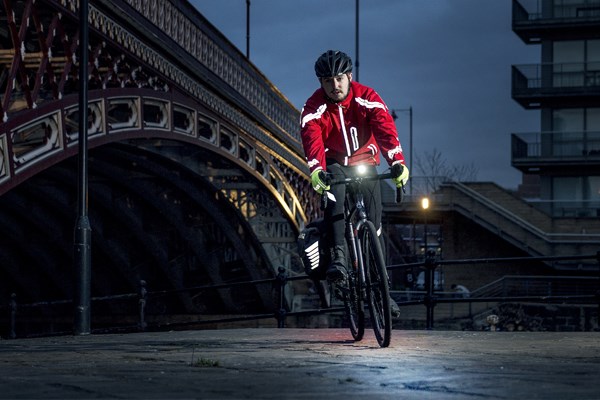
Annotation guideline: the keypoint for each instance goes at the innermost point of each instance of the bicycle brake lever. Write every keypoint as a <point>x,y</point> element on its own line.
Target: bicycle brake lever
<point>323,200</point>
<point>325,196</point>
<point>400,191</point>
<point>396,170</point>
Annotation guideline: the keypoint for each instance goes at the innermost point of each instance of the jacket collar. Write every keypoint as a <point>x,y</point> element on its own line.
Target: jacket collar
<point>344,103</point>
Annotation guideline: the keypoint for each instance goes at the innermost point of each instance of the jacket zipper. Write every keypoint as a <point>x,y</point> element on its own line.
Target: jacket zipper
<point>345,134</point>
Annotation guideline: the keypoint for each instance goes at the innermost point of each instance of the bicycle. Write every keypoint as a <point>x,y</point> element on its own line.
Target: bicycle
<point>367,276</point>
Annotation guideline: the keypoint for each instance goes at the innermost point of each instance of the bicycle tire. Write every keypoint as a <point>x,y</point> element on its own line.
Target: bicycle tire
<point>376,279</point>
<point>355,307</point>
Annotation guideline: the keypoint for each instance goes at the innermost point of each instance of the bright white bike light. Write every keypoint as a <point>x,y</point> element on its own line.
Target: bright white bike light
<point>361,169</point>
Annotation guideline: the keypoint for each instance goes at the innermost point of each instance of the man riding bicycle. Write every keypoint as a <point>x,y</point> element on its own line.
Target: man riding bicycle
<point>345,124</point>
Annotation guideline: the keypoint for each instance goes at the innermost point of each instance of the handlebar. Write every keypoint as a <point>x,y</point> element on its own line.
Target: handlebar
<point>396,171</point>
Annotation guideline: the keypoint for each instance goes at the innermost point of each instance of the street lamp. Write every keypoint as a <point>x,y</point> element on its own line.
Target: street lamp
<point>410,137</point>
<point>356,63</point>
<point>248,29</point>
<point>425,207</point>
<point>83,230</point>
<point>429,269</point>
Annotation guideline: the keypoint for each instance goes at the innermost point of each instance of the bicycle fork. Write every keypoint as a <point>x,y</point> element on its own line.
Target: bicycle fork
<point>355,258</point>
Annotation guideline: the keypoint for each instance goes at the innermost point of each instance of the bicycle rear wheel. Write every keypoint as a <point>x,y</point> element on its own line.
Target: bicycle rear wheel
<point>376,278</point>
<point>355,307</point>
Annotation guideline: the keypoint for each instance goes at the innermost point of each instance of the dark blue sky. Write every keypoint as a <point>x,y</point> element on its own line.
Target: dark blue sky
<point>448,59</point>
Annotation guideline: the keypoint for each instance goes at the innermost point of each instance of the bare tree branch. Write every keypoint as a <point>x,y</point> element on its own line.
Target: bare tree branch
<point>434,168</point>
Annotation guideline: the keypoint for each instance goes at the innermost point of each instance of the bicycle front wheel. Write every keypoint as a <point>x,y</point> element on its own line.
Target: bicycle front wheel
<point>376,278</point>
<point>355,307</point>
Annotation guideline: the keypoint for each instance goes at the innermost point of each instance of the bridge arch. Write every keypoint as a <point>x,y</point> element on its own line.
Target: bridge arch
<point>196,169</point>
<point>210,162</point>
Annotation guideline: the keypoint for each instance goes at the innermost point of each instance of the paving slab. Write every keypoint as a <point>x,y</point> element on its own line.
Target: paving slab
<point>271,363</point>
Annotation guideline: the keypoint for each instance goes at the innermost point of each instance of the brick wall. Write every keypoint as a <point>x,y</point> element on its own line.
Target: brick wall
<point>464,239</point>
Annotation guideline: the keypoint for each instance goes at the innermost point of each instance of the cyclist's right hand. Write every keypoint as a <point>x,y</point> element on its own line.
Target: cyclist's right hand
<point>317,179</point>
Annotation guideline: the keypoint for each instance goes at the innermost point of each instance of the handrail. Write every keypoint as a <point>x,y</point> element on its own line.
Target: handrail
<point>529,78</point>
<point>563,12</point>
<point>479,292</point>
<point>429,299</point>
<point>493,206</point>
<point>571,145</point>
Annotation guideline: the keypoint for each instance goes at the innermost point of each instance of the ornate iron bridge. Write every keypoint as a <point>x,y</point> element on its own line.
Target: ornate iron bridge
<point>196,172</point>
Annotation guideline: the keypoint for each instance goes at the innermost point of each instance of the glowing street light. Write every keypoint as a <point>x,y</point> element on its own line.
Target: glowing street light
<point>425,206</point>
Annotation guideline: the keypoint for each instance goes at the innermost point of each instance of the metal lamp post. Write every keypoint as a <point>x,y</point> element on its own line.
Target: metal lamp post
<point>248,29</point>
<point>425,207</point>
<point>356,42</point>
<point>429,269</point>
<point>83,231</point>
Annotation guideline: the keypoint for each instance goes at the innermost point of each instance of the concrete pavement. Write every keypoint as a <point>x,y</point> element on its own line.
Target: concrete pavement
<point>270,363</point>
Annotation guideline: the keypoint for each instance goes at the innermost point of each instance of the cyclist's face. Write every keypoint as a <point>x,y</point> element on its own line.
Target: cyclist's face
<point>337,87</point>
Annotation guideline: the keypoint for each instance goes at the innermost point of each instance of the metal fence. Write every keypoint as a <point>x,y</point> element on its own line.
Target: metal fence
<point>430,299</point>
<point>550,289</point>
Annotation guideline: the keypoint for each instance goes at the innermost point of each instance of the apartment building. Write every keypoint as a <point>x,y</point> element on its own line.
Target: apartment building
<point>561,163</point>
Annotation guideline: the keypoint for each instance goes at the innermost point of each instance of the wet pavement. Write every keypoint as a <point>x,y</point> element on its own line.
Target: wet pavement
<point>271,363</point>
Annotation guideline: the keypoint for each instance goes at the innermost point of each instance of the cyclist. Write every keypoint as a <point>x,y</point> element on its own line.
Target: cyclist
<point>344,124</point>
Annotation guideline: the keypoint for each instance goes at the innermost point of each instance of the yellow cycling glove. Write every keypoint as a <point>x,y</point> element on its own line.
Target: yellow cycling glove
<point>316,179</point>
<point>401,180</point>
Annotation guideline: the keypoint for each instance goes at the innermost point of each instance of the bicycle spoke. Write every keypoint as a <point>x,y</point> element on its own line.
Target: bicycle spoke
<point>354,307</point>
<point>377,286</point>
<point>370,282</point>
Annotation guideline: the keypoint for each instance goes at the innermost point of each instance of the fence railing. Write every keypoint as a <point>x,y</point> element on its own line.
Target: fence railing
<point>555,11</point>
<point>430,299</point>
<point>572,145</point>
<point>555,78</point>
<point>553,289</point>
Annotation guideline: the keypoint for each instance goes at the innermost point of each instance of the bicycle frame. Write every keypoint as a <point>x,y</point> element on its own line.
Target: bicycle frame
<point>367,275</point>
<point>354,203</point>
<point>350,210</point>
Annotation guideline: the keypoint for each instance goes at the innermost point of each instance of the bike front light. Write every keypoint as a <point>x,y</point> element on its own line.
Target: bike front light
<point>361,169</point>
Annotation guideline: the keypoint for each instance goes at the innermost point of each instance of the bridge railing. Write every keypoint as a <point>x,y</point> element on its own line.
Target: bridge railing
<point>513,289</point>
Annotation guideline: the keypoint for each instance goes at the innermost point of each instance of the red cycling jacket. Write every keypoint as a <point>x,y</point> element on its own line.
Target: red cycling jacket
<point>351,132</point>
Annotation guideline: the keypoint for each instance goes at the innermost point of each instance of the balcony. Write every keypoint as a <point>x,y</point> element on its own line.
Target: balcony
<point>556,21</point>
<point>536,150</point>
<point>556,85</point>
<point>567,208</point>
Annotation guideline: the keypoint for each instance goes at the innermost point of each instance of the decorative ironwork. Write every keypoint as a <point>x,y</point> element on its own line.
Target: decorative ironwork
<point>113,69</point>
<point>137,90</point>
<point>4,170</point>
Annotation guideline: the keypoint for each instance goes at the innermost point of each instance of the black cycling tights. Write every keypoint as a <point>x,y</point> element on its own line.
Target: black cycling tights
<point>334,214</point>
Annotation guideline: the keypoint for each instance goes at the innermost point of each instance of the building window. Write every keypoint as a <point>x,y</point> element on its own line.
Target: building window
<point>575,8</point>
<point>576,196</point>
<point>575,132</point>
<point>568,63</point>
<point>576,63</point>
<point>567,136</point>
<point>592,122</point>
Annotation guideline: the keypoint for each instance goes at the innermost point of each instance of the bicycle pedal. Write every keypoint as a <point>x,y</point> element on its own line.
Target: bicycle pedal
<point>340,291</point>
<point>342,288</point>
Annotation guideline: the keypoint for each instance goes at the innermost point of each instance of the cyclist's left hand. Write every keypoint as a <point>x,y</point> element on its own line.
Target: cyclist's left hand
<point>317,179</point>
<point>401,180</point>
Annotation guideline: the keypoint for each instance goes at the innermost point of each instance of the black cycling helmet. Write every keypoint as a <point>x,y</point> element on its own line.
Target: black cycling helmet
<point>333,63</point>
